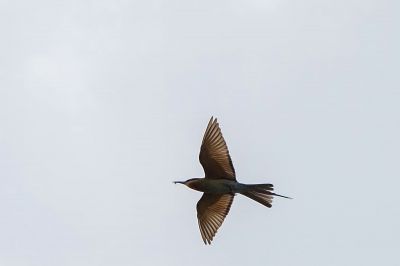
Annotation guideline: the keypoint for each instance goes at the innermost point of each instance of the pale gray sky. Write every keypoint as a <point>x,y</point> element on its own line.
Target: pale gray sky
<point>104,103</point>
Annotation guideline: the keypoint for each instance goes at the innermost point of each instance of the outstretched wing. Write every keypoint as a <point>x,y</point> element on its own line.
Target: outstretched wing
<point>211,212</point>
<point>214,154</point>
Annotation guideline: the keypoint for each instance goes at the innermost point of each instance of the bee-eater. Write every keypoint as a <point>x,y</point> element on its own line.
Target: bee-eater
<point>219,184</point>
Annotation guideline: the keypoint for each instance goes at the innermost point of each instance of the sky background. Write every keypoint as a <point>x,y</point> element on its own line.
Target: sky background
<point>104,103</point>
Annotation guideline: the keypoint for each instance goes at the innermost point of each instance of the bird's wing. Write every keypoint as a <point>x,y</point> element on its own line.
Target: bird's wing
<point>214,154</point>
<point>211,212</point>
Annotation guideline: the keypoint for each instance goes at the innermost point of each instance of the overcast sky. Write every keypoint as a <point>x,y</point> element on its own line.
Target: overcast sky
<point>104,103</point>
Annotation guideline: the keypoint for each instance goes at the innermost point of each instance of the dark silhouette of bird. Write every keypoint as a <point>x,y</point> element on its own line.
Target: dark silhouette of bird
<point>219,184</point>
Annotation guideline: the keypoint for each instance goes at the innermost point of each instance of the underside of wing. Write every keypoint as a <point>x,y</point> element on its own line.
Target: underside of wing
<point>214,154</point>
<point>211,212</point>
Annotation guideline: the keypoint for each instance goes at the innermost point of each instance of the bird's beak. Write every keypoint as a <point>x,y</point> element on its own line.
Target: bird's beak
<point>179,182</point>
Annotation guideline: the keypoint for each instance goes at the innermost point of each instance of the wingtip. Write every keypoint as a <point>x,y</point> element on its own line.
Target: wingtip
<point>213,120</point>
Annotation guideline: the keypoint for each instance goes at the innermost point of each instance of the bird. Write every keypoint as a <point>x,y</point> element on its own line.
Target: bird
<point>219,185</point>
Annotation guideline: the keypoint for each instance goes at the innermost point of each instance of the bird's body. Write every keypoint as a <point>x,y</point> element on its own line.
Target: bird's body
<point>219,184</point>
<point>214,186</point>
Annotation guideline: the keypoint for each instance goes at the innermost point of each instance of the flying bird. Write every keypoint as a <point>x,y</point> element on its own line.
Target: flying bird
<point>219,184</point>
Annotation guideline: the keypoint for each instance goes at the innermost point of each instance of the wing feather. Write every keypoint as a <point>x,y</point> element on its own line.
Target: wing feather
<point>214,154</point>
<point>211,212</point>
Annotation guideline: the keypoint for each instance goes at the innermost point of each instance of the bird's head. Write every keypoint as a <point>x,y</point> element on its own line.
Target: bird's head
<point>189,183</point>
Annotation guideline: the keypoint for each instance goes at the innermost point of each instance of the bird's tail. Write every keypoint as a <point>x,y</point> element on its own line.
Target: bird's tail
<point>262,193</point>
